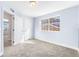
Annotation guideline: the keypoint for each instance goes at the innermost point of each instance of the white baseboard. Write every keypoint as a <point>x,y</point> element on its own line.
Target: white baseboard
<point>53,43</point>
<point>77,49</point>
<point>1,53</point>
<point>18,42</point>
<point>23,40</point>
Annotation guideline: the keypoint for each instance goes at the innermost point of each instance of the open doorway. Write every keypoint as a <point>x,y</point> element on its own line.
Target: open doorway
<point>8,29</point>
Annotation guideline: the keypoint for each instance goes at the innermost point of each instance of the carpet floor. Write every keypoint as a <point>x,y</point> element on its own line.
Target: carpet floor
<point>37,48</point>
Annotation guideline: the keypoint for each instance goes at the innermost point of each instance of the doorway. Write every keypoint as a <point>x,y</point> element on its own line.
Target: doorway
<point>8,29</point>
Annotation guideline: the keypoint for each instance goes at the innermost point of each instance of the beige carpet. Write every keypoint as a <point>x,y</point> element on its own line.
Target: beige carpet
<point>37,48</point>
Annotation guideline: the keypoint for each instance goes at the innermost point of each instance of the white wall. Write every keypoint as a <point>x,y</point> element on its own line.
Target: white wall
<point>1,41</point>
<point>28,24</point>
<point>68,34</point>
<point>1,32</point>
<point>78,27</point>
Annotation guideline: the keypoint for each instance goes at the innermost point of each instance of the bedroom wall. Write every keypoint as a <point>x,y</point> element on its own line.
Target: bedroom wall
<point>68,34</point>
<point>28,26</point>
<point>1,32</point>
<point>1,36</point>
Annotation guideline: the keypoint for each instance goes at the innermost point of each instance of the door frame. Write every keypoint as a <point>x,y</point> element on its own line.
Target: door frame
<point>12,26</point>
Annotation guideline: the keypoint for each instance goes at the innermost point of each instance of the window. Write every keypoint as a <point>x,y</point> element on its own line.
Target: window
<point>51,24</point>
<point>44,25</point>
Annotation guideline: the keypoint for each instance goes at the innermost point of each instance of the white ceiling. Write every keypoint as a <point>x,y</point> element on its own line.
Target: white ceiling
<point>43,7</point>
